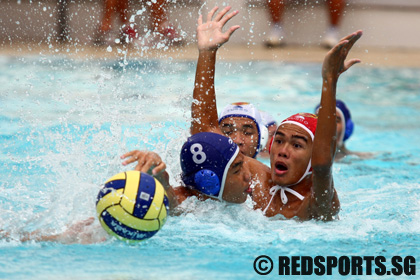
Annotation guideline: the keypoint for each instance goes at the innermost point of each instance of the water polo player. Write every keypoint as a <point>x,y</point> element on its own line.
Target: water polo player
<point>345,127</point>
<point>204,112</point>
<point>239,121</point>
<point>301,184</point>
<point>242,122</point>
<point>303,150</point>
<point>212,164</point>
<point>271,124</point>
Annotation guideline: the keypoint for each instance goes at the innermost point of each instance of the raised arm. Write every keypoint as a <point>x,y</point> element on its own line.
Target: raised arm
<point>210,37</point>
<point>324,147</point>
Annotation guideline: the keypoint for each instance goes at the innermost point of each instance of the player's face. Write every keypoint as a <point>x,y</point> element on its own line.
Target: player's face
<point>243,131</point>
<point>238,179</point>
<point>290,154</point>
<point>340,127</point>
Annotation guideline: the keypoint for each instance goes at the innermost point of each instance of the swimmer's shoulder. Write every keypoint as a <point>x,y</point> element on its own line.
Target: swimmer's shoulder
<point>257,166</point>
<point>261,175</point>
<point>182,193</point>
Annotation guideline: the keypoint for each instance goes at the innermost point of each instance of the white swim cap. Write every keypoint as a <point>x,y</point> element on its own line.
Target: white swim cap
<point>247,110</point>
<point>267,119</point>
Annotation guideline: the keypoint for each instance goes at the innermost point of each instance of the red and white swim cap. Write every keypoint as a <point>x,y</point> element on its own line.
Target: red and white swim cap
<point>306,121</point>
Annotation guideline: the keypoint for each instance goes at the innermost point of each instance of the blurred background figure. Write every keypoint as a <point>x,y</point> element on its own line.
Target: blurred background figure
<point>276,36</point>
<point>159,24</point>
<point>271,125</point>
<point>120,8</point>
<point>63,31</point>
<point>345,127</point>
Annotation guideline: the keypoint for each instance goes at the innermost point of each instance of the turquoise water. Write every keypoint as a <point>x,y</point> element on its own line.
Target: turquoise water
<point>64,124</point>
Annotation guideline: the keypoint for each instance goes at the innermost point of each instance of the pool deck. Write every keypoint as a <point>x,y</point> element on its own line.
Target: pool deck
<point>390,31</point>
<point>370,56</point>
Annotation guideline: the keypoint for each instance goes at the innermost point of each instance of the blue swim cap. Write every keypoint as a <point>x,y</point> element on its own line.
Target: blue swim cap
<point>346,117</point>
<point>247,110</point>
<point>348,123</point>
<point>205,161</point>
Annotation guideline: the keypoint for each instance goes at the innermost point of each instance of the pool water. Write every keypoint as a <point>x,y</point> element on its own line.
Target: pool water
<point>65,123</point>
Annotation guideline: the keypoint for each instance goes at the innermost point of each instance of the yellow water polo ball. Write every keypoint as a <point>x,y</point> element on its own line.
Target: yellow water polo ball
<point>132,206</point>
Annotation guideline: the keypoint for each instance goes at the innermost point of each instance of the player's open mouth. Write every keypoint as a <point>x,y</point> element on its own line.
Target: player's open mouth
<point>281,168</point>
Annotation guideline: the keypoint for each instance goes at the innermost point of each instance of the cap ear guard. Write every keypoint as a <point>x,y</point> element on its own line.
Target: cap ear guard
<point>207,182</point>
<point>348,123</point>
<point>263,137</point>
<point>349,129</point>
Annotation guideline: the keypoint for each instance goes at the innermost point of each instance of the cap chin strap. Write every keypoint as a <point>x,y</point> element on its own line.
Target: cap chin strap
<point>225,172</point>
<point>307,172</point>
<point>262,138</point>
<point>284,189</point>
<point>283,195</point>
